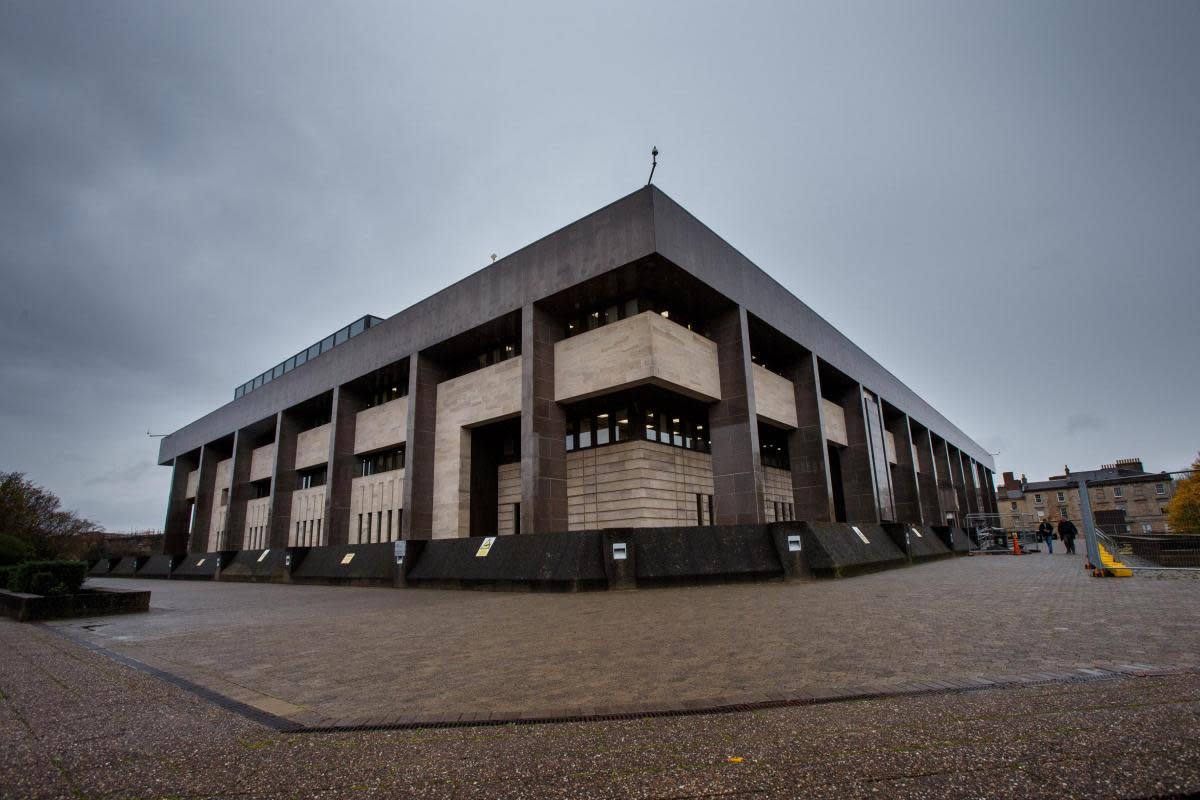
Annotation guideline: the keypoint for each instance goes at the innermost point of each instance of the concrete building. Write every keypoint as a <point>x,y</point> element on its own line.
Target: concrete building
<point>630,370</point>
<point>1125,498</point>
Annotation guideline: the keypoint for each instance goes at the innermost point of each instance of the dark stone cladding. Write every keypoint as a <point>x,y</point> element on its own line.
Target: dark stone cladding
<point>640,224</point>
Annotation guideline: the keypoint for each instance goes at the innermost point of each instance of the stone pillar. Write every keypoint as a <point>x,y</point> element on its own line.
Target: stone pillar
<point>205,487</point>
<point>283,479</point>
<point>931,505</point>
<point>175,529</point>
<point>341,464</point>
<point>737,466</point>
<point>239,491</point>
<point>858,478</point>
<point>543,427</point>
<point>809,454</point>
<point>906,490</point>
<point>424,375</point>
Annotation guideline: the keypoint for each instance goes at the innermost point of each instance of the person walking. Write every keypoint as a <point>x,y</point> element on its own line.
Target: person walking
<point>1067,532</point>
<point>1046,531</point>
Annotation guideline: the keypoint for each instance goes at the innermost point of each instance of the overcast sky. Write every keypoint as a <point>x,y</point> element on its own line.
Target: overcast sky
<point>999,202</point>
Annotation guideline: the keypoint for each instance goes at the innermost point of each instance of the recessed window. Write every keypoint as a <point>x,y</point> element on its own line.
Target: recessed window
<point>1147,527</point>
<point>1014,506</point>
<point>1160,488</point>
<point>1118,491</point>
<point>383,461</point>
<point>311,478</point>
<point>1037,498</point>
<point>1062,497</point>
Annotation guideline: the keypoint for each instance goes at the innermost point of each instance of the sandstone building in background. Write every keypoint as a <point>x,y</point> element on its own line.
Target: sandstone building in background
<point>630,370</point>
<point>1125,498</point>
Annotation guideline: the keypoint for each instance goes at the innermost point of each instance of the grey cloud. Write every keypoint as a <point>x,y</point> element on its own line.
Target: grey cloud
<point>999,201</point>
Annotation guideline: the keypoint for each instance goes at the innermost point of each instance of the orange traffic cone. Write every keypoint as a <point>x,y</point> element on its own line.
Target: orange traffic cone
<point>1016,544</point>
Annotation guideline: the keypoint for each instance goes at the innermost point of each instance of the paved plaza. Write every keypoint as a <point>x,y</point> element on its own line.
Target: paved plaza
<point>75,723</point>
<point>339,653</point>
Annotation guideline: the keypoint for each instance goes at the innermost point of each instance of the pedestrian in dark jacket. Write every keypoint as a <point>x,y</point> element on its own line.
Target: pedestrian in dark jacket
<point>1067,532</point>
<point>1046,532</point>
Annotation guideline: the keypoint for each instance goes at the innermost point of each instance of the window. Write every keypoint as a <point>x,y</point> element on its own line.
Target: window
<point>360,529</point>
<point>225,497</point>
<point>665,418</point>
<point>1160,488</point>
<point>262,488</point>
<point>383,461</point>
<point>1147,527</point>
<point>1118,491</point>
<point>516,517</point>
<point>311,478</point>
<point>773,447</point>
<point>389,527</point>
<point>1062,511</point>
<point>699,509</point>
<point>1037,498</point>
<point>1062,497</point>
<point>1014,506</point>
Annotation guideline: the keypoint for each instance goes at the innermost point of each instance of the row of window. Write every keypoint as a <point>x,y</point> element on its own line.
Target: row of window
<point>610,312</point>
<point>305,355</point>
<point>311,478</point>
<point>624,421</point>
<point>383,461</point>
<point>1118,491</point>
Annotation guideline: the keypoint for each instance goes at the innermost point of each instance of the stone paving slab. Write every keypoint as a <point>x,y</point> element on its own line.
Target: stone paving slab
<point>334,653</point>
<point>74,723</point>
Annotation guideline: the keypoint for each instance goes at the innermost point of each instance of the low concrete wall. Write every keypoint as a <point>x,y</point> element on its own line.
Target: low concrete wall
<point>955,539</point>
<point>716,552</point>
<point>918,543</point>
<point>87,603</point>
<point>258,565</point>
<point>157,567</point>
<point>549,560</point>
<point>127,567</point>
<point>199,567</point>
<point>355,564</point>
<point>102,567</point>
<point>835,549</point>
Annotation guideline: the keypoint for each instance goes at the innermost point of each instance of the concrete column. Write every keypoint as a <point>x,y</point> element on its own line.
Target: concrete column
<point>989,488</point>
<point>931,504</point>
<point>809,455</point>
<point>945,481</point>
<point>175,529</point>
<point>737,465</point>
<point>858,478</point>
<point>881,472</point>
<point>341,464</point>
<point>239,491</point>
<point>543,427</point>
<point>205,489</point>
<point>906,490</point>
<point>968,470</point>
<point>954,464</point>
<point>283,479</point>
<point>424,375</point>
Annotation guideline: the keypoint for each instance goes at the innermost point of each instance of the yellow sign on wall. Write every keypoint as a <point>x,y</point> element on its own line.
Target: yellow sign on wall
<point>346,559</point>
<point>485,548</point>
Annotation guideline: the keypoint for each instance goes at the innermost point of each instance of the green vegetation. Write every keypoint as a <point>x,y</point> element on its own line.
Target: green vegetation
<point>48,577</point>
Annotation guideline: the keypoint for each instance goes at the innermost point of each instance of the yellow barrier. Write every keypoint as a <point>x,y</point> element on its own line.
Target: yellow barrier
<point>1111,565</point>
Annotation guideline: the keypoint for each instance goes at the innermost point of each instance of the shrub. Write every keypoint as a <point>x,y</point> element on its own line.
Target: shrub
<point>54,577</point>
<point>4,573</point>
<point>13,550</point>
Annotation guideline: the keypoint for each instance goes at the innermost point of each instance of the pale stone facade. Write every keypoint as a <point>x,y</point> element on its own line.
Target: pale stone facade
<point>774,397</point>
<point>381,426</point>
<point>508,494</point>
<point>777,493</point>
<point>262,462</point>
<point>637,484</point>
<point>312,447</point>
<point>486,395</point>
<point>375,507</point>
<point>257,512</point>
<point>644,348</point>
<point>307,518</point>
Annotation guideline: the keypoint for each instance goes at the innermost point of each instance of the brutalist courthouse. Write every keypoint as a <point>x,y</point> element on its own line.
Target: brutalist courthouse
<point>630,370</point>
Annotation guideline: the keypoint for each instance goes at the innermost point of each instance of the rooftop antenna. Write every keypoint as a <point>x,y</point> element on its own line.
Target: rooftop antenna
<point>653,164</point>
<point>493,258</point>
